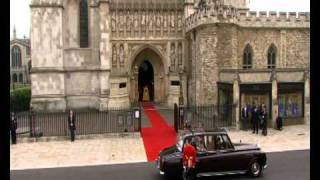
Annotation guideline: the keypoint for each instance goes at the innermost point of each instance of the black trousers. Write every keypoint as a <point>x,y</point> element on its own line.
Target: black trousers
<point>14,137</point>
<point>245,123</point>
<point>255,126</point>
<point>72,134</point>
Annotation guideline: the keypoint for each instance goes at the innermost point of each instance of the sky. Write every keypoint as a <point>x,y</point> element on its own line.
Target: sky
<point>20,11</point>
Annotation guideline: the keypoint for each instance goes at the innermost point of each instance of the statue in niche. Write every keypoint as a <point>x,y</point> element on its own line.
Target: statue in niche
<point>121,21</point>
<point>113,23</point>
<point>165,22</point>
<point>121,54</point>
<point>158,21</point>
<point>172,21</point>
<point>135,22</point>
<point>150,22</point>
<point>114,56</point>
<point>143,20</point>
<point>129,22</point>
<point>179,22</point>
<point>172,53</point>
<point>180,54</point>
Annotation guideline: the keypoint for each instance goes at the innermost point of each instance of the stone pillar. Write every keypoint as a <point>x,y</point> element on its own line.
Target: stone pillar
<point>236,100</point>
<point>307,98</point>
<point>274,100</point>
<point>47,79</point>
<point>105,53</point>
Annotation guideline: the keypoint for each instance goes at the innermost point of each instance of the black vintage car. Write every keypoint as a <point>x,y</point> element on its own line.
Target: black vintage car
<point>216,156</point>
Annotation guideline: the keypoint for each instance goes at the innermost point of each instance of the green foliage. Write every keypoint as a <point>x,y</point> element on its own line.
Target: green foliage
<point>20,99</point>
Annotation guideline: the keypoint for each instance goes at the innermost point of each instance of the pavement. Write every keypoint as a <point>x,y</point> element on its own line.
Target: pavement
<point>129,148</point>
<point>293,165</point>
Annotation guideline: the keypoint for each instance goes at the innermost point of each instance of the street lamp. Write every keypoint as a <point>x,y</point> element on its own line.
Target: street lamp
<point>181,71</point>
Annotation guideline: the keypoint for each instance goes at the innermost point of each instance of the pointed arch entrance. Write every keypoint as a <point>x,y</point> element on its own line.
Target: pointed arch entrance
<point>146,81</point>
<point>147,70</point>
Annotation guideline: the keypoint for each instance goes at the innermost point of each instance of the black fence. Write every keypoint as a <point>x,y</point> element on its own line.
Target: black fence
<point>207,117</point>
<point>56,124</point>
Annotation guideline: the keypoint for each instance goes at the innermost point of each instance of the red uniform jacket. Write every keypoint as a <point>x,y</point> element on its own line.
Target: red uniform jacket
<point>189,152</point>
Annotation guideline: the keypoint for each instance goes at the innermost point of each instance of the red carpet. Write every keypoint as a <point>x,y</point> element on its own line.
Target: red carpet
<point>159,136</point>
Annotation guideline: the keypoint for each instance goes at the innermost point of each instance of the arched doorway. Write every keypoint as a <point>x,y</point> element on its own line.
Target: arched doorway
<point>146,80</point>
<point>147,69</point>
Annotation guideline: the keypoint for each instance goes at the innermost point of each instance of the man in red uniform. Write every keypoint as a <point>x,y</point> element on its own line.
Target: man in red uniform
<point>189,159</point>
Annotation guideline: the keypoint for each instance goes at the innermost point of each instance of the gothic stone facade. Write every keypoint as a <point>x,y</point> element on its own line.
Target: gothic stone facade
<point>19,61</point>
<point>201,43</point>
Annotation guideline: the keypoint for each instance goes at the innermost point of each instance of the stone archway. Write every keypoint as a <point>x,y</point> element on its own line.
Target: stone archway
<point>150,58</point>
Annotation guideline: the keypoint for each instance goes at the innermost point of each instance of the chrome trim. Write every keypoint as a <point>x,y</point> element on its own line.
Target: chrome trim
<point>220,173</point>
<point>265,166</point>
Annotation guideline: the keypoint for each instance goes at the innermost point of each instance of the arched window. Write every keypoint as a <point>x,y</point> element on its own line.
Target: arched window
<point>14,78</point>
<point>83,8</point>
<point>247,57</point>
<point>21,78</point>
<point>16,56</point>
<point>272,56</point>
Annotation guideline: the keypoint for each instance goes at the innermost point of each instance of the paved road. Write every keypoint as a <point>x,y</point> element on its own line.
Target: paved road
<point>293,165</point>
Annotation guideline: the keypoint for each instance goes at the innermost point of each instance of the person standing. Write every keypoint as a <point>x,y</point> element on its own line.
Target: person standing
<point>255,119</point>
<point>279,122</point>
<point>72,125</point>
<point>264,119</point>
<point>189,160</point>
<point>13,128</point>
<point>245,117</point>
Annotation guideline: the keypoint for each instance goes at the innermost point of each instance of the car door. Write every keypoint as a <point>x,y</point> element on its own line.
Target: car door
<point>208,161</point>
<point>231,160</point>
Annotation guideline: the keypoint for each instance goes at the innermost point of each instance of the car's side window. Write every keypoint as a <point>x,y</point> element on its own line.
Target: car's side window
<point>227,142</point>
<point>210,143</point>
<point>201,143</point>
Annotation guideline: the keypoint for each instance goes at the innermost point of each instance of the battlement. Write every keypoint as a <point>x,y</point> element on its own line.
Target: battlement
<point>229,14</point>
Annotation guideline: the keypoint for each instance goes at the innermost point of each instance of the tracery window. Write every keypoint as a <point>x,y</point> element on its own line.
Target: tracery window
<point>272,55</point>
<point>83,8</point>
<point>14,78</point>
<point>16,56</point>
<point>247,57</point>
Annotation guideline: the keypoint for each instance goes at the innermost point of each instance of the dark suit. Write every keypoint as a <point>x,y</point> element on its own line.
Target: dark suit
<point>245,117</point>
<point>255,120</point>
<point>264,120</point>
<point>13,128</point>
<point>72,125</point>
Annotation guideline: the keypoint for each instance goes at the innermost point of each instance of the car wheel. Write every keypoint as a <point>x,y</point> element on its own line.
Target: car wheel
<point>255,169</point>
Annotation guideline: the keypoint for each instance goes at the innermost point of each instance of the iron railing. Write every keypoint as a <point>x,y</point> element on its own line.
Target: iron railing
<point>207,117</point>
<point>96,122</point>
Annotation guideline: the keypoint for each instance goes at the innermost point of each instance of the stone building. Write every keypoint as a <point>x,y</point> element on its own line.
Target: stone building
<point>19,60</point>
<point>96,54</point>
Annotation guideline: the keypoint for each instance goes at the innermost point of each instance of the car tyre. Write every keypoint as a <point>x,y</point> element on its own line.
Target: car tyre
<point>255,169</point>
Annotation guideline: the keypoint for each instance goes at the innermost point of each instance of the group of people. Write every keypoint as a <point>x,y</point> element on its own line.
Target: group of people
<point>14,126</point>
<point>257,116</point>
